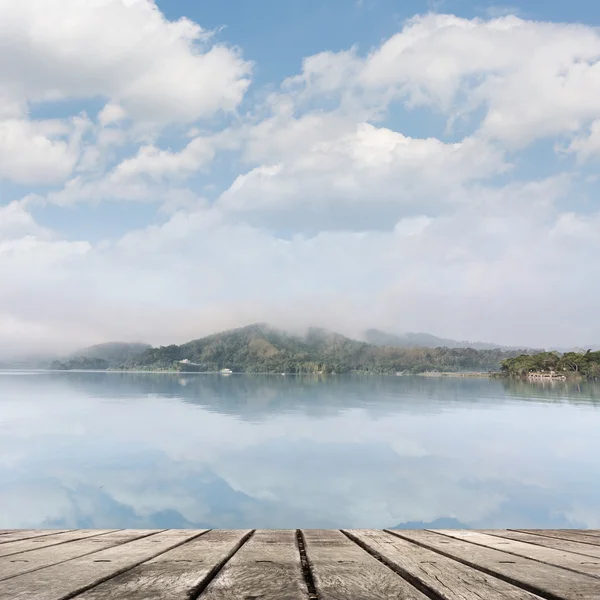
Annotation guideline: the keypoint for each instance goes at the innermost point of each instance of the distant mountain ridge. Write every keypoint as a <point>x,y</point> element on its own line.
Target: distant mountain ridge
<point>115,353</point>
<point>100,357</point>
<point>426,340</point>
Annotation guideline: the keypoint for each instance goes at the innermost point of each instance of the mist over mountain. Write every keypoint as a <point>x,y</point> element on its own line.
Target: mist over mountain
<point>114,353</point>
<point>425,340</point>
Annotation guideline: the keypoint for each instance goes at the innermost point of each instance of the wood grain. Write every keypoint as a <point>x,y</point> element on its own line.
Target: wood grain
<point>523,572</point>
<point>36,543</point>
<point>574,536</point>
<point>539,540</point>
<point>267,567</point>
<point>24,534</point>
<point>446,577</point>
<point>550,556</point>
<point>64,580</point>
<point>342,570</point>
<point>174,575</point>
<point>11,566</point>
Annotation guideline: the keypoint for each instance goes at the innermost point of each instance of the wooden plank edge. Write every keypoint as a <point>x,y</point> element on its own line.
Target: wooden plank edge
<point>60,562</point>
<point>77,539</point>
<point>556,537</point>
<point>197,591</point>
<point>518,584</point>
<point>408,577</point>
<point>85,588</point>
<point>305,564</point>
<point>512,553</point>
<point>498,533</point>
<point>31,537</point>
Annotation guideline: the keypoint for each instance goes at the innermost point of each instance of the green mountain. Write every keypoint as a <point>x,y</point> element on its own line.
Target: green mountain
<point>260,348</point>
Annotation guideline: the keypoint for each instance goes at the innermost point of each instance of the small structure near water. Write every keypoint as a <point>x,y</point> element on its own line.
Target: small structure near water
<point>547,375</point>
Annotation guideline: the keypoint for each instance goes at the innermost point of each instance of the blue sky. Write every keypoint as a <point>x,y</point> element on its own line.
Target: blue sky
<point>169,169</point>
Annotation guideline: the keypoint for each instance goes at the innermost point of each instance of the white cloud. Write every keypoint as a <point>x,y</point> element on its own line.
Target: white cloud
<point>534,79</point>
<point>159,164</point>
<point>372,175</point>
<point>150,68</point>
<point>17,223</point>
<point>588,145</point>
<point>39,152</point>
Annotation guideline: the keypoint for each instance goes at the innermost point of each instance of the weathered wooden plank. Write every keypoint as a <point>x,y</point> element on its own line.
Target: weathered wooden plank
<point>342,570</point>
<point>558,558</point>
<point>11,566</point>
<point>36,543</point>
<point>24,534</point>
<point>595,532</point>
<point>574,536</point>
<point>538,540</point>
<point>436,573</point>
<point>529,574</point>
<point>267,567</point>
<point>64,580</point>
<point>175,575</point>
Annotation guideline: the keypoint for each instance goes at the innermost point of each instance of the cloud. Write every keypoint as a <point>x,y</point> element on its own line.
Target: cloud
<point>39,152</point>
<point>532,79</point>
<point>587,146</point>
<point>330,184</point>
<point>148,68</point>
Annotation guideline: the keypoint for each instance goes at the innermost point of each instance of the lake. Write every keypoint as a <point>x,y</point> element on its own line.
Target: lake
<point>125,450</point>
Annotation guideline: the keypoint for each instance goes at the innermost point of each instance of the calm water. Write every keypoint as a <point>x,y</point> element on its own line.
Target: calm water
<point>155,450</point>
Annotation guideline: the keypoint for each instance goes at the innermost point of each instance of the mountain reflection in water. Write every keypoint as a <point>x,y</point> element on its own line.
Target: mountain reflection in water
<point>155,450</point>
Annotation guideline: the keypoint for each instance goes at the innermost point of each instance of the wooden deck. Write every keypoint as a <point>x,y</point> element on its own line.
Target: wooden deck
<point>292,565</point>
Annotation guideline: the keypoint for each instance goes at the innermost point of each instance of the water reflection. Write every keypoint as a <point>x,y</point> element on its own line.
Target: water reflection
<point>156,450</point>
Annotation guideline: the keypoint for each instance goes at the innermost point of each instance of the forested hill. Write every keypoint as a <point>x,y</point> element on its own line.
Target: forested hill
<point>264,349</point>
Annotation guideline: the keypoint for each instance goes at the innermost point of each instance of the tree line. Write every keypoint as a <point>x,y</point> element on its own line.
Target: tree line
<point>581,364</point>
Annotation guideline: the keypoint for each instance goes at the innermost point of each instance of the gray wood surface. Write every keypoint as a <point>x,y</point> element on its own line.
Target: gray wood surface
<point>574,536</point>
<point>559,558</point>
<point>527,573</point>
<point>174,575</point>
<point>323,565</point>
<point>267,567</point>
<point>64,580</point>
<point>446,577</point>
<point>24,534</point>
<point>49,540</point>
<point>342,570</point>
<point>11,566</point>
<point>539,540</point>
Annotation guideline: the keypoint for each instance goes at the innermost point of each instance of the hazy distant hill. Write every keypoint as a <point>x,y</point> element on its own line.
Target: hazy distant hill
<point>101,356</point>
<point>260,348</point>
<point>425,340</point>
<point>117,352</point>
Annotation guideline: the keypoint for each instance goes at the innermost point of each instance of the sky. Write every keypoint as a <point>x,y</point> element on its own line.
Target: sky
<point>171,169</point>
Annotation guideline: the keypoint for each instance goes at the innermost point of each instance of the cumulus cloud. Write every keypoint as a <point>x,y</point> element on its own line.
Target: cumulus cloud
<point>533,79</point>
<point>332,182</point>
<point>148,68</point>
<point>39,152</point>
